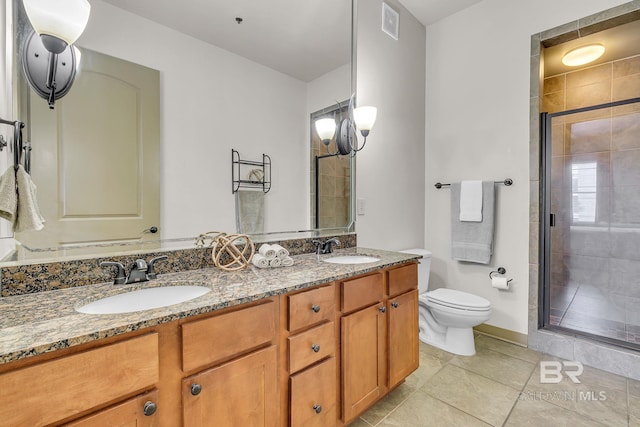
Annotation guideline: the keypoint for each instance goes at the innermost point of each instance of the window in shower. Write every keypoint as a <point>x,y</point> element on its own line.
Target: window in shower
<point>584,192</point>
<point>590,221</point>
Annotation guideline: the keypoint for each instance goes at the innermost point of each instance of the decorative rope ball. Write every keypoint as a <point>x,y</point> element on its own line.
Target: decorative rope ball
<point>238,249</point>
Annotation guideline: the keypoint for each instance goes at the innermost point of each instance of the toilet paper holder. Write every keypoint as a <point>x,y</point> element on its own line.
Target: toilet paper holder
<point>500,270</point>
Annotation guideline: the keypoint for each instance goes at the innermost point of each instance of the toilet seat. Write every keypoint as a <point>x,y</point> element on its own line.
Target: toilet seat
<point>456,299</point>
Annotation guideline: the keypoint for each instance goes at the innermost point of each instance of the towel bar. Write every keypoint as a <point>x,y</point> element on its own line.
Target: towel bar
<point>506,182</point>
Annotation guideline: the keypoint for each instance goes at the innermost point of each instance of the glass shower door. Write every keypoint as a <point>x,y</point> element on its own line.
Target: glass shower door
<point>591,222</point>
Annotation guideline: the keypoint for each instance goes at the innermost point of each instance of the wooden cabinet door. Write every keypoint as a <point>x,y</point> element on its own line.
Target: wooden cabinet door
<point>363,359</point>
<point>242,392</point>
<point>313,396</point>
<point>128,413</point>
<point>403,336</point>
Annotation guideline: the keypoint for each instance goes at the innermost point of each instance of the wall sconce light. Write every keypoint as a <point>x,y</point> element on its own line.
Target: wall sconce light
<point>346,138</point>
<point>49,61</point>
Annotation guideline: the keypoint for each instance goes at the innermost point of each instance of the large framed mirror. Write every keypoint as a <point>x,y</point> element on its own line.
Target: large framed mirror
<point>247,84</point>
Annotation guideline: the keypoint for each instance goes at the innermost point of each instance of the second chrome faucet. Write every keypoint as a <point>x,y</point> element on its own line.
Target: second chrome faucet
<point>325,247</point>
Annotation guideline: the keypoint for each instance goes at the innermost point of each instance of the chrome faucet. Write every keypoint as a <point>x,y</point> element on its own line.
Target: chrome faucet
<point>141,271</point>
<point>325,247</point>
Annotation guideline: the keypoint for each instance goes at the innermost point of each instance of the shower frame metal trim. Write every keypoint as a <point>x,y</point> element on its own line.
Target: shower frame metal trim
<point>546,219</point>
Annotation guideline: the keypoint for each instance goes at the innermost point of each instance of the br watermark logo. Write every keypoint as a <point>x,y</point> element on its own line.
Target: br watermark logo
<point>553,372</point>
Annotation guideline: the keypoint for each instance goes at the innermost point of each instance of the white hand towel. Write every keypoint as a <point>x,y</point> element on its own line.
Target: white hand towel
<point>280,251</point>
<point>471,201</point>
<point>267,251</point>
<point>8,195</point>
<point>275,262</point>
<point>287,261</point>
<point>260,261</point>
<point>28,216</point>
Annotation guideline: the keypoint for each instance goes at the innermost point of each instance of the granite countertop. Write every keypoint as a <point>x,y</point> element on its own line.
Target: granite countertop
<point>47,321</point>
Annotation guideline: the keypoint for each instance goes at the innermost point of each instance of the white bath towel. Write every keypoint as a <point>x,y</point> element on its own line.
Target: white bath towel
<point>250,211</point>
<point>471,201</point>
<point>267,251</point>
<point>287,261</point>
<point>28,216</point>
<point>8,195</point>
<point>280,251</point>
<point>260,261</point>
<point>275,262</point>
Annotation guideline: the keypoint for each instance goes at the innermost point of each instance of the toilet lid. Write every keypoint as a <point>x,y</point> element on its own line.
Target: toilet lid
<point>457,299</point>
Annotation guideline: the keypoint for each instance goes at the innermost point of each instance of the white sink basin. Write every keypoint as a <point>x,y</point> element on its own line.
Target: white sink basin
<point>351,259</point>
<point>143,299</point>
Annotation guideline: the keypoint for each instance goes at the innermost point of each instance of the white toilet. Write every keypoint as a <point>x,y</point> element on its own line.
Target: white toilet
<point>447,316</point>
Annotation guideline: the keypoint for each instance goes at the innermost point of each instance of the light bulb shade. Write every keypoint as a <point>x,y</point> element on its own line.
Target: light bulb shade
<point>583,55</point>
<point>64,19</point>
<point>365,117</point>
<point>326,128</point>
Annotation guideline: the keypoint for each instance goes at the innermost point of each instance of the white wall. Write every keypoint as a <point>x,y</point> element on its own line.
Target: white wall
<point>390,169</point>
<point>212,101</point>
<point>477,127</point>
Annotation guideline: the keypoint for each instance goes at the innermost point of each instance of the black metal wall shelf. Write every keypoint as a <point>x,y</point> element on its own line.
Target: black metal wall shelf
<point>252,180</point>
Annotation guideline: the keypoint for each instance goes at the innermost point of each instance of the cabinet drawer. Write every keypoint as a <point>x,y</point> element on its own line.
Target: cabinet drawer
<point>207,341</point>
<point>313,396</point>
<point>403,279</point>
<point>362,292</point>
<point>310,346</point>
<point>127,413</point>
<point>311,307</point>
<point>59,388</point>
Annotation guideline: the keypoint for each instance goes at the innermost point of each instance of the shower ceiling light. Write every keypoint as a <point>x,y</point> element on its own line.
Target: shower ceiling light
<point>583,55</point>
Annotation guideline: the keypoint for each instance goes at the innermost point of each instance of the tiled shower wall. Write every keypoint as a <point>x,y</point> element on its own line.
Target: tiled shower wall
<point>334,183</point>
<point>604,253</point>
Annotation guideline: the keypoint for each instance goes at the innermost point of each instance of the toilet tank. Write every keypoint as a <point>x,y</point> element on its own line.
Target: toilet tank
<point>423,268</point>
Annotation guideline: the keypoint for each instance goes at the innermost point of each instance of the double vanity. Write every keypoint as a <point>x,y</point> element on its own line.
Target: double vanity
<point>315,344</point>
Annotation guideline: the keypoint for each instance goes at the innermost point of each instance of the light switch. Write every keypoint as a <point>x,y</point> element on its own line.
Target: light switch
<point>360,206</point>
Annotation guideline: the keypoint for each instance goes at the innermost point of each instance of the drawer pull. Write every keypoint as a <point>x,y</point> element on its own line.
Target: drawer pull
<point>196,389</point>
<point>149,408</point>
<point>382,309</point>
<point>317,408</point>
<point>315,348</point>
<point>315,308</point>
<point>395,304</point>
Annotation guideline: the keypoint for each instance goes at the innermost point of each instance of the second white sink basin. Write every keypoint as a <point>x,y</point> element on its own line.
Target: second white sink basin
<point>143,299</point>
<point>351,259</point>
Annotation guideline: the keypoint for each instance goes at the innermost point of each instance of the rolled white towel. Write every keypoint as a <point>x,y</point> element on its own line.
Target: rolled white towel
<point>280,251</point>
<point>260,261</point>
<point>267,251</point>
<point>287,261</point>
<point>275,262</point>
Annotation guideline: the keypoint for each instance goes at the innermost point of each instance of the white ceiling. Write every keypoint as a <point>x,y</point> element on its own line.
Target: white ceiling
<point>430,11</point>
<point>302,38</point>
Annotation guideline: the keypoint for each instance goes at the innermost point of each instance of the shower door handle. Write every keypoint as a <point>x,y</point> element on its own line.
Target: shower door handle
<point>552,220</point>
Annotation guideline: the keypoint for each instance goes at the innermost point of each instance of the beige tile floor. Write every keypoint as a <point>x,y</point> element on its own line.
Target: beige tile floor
<point>500,386</point>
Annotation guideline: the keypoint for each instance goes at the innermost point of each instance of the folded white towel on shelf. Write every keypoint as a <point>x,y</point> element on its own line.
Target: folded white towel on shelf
<point>275,262</point>
<point>471,201</point>
<point>8,195</point>
<point>280,251</point>
<point>267,251</point>
<point>28,216</point>
<point>260,261</point>
<point>287,261</point>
